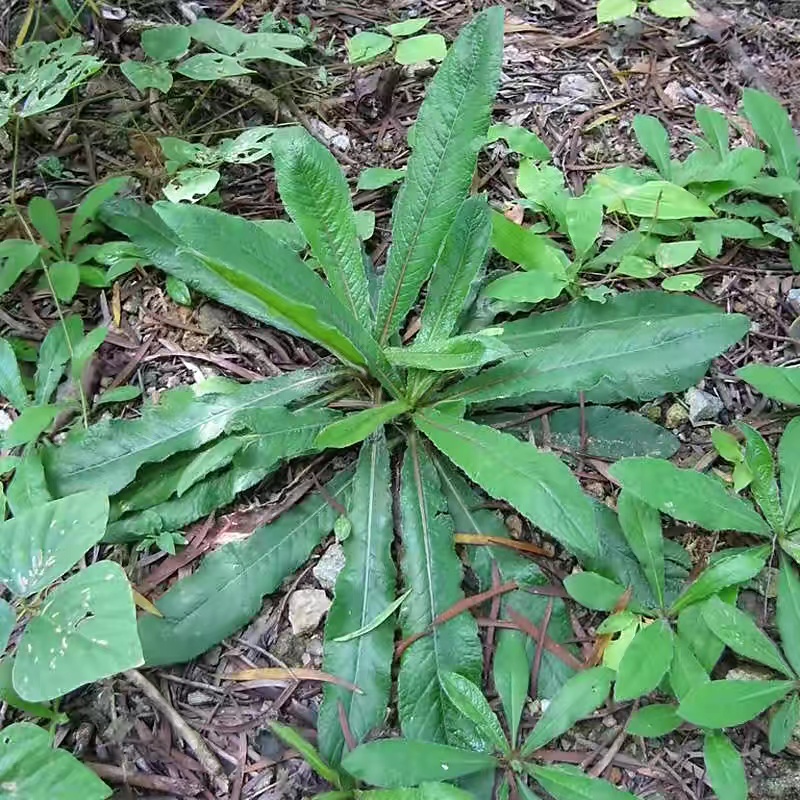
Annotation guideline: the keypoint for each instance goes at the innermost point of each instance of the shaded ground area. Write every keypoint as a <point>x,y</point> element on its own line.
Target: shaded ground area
<point>579,87</point>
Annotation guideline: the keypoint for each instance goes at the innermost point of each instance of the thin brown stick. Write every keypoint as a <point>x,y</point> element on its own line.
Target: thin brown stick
<point>349,739</point>
<point>526,626</point>
<point>144,780</point>
<point>537,660</point>
<point>494,613</point>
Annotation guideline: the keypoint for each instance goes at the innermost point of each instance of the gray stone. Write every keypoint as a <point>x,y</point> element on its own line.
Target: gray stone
<point>793,299</point>
<point>5,421</point>
<point>676,416</point>
<point>307,607</point>
<point>327,569</point>
<point>578,86</point>
<point>703,407</point>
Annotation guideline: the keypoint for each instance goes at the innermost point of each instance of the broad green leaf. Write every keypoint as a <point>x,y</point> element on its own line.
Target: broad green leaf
<point>191,185</point>
<point>236,262</point>
<point>657,199</point>
<point>227,590</point>
<point>219,455</point>
<point>463,352</point>
<point>211,67</point>
<point>685,282</point>
<point>373,178</point>
<point>711,232</point>
<point>779,383</point>
<point>522,246</point>
<point>580,696</point>
<point>675,254</point>
<point>654,720</point>
<point>457,270</point>
<point>315,194</point>
<point>451,127</point>
<point>64,277</point>
<point>611,10</point>
<point>742,635</point>
<point>8,620</point>
<point>512,677</point>
<point>367,46</point>
<point>356,427</point>
<point>543,186</point>
<point>569,783</point>
<point>44,218</point>
<point>178,291</point>
<point>40,544</point>
<point>724,765</point>
<point>692,627</point>
<point>526,793</point>
<point>727,703</point>
<point>308,752</point>
<point>763,486</point>
<point>641,524</point>
<point>728,570</point>
<point>144,75</point>
<point>11,386</point>
<point>259,46</point>
<point>28,488</point>
<point>727,445</point>
<point>783,722</point>
<point>83,351</point>
<point>53,356</point>
<point>408,27</point>
<point>645,662</point>
<point>787,612</point>
<point>654,140</point>
<point>31,768</point>
<point>519,140</point>
<point>671,9</point>
<point>429,564</point>
<point>584,222</point>
<point>789,462</point>
<point>773,126</point>
<point>427,47</point>
<point>16,255</point>
<point>686,672</point>
<point>83,632</point>
<point>222,38</point>
<point>528,287</point>
<point>364,588</point>
<point>607,362</point>
<point>108,454</point>
<point>469,701</point>
<point>394,763</point>
<point>427,791</point>
<point>166,42</point>
<point>593,591</point>
<point>538,484</point>
<point>687,495</point>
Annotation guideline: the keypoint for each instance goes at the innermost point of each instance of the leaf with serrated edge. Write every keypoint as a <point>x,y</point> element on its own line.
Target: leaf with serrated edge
<point>84,631</point>
<point>108,455</point>
<point>451,127</point>
<point>537,484</point>
<point>356,427</point>
<point>687,495</point>
<point>580,696</point>
<point>364,588</point>
<point>727,703</point>
<point>430,565</point>
<point>724,766</point>
<point>763,486</point>
<point>469,700</point>
<point>742,635</point>
<point>315,194</point>
<point>641,525</point>
<point>40,544</point>
<point>226,591</point>
<point>645,662</point>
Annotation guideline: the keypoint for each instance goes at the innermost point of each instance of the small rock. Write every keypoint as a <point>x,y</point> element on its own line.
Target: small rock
<point>578,86</point>
<point>793,299</point>
<point>749,673</point>
<point>5,421</point>
<point>307,607</point>
<point>652,411</point>
<point>676,416</point>
<point>314,647</point>
<point>703,406</point>
<point>327,569</point>
<point>199,698</point>
<point>335,138</point>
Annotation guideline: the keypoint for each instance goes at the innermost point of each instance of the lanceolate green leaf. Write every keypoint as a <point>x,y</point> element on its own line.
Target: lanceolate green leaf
<point>11,385</point>
<point>686,672</point>
<point>789,462</point>
<point>40,544</point>
<point>645,662</point>
<point>446,355</point>
<point>107,455</point>
<point>788,612</point>
<point>310,755</point>
<point>469,700</point>
<point>726,703</point>
<point>581,695</point>
<point>364,588</point>
<point>356,427</point>
<point>85,631</point>
<point>451,128</point>
<point>774,127</point>
<point>654,720</point>
<point>538,484</point>
<point>648,358</point>
<point>457,270</point>
<point>785,719</point>
<point>226,591</point>
<point>315,193</point>
<point>427,791</point>
<point>724,766</point>
<point>431,567</point>
<point>641,524</point>
<point>570,783</point>
<point>763,486</point>
<point>742,635</point>
<point>687,495</point>
<point>780,383</point>
<point>36,771</point>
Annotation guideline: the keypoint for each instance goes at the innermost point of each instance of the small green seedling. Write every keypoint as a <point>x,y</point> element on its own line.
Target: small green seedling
<point>410,47</point>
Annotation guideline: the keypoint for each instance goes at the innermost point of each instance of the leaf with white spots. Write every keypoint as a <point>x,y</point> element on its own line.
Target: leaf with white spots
<point>30,769</point>
<point>42,543</point>
<point>85,631</point>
